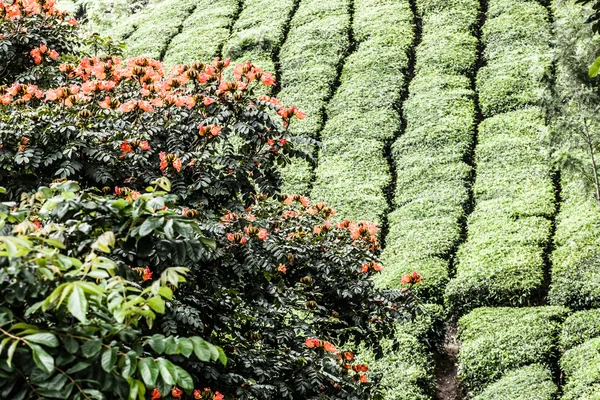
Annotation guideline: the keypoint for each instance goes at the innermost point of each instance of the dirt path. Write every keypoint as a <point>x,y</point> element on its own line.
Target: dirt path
<point>447,385</point>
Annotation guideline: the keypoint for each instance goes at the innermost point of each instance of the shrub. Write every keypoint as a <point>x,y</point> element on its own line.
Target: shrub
<point>384,33</point>
<point>259,31</point>
<point>432,178</point>
<point>203,34</point>
<point>74,321</point>
<point>316,44</point>
<point>533,382</point>
<point>501,263</point>
<point>142,131</point>
<point>516,37</point>
<point>576,249</point>
<point>580,327</point>
<point>495,341</point>
<point>155,26</point>
<point>581,367</point>
<point>34,34</point>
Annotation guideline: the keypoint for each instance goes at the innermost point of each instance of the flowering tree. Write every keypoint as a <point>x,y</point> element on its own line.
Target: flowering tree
<point>273,281</point>
<point>34,34</point>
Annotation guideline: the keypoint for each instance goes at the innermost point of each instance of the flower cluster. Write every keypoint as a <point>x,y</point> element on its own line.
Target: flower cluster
<point>40,53</point>
<point>26,8</point>
<point>345,357</point>
<point>371,266</point>
<point>167,160</point>
<point>411,279</point>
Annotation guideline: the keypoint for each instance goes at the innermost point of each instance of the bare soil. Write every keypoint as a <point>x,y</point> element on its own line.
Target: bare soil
<point>447,384</point>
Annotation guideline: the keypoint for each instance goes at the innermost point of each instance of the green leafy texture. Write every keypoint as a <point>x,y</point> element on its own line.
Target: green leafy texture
<point>432,177</point>
<point>108,358</point>
<point>167,370</point>
<point>579,328</point>
<point>533,382</point>
<point>46,339</point>
<point>91,347</point>
<point>495,341</point>
<point>581,367</point>
<point>78,304</point>
<point>594,68</point>
<point>43,360</point>
<point>157,304</point>
<point>352,174</point>
<point>148,370</point>
<point>204,32</point>
<point>316,44</point>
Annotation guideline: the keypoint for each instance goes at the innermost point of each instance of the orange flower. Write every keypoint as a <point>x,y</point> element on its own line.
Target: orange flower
<point>230,237</point>
<point>312,343</point>
<point>163,161</point>
<point>262,234</point>
<point>177,164</point>
<point>218,396</point>
<point>197,394</point>
<point>144,145</point>
<point>330,348</point>
<point>129,106</point>
<point>155,394</point>
<point>414,278</point>
<point>176,392</point>
<point>267,79</point>
<point>348,356</point>
<point>126,147</point>
<point>54,54</point>
<point>147,274</point>
<point>282,268</point>
<point>363,379</point>
<point>73,21</point>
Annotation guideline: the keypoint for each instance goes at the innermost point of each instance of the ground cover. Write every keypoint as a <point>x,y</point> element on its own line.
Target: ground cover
<point>502,260</point>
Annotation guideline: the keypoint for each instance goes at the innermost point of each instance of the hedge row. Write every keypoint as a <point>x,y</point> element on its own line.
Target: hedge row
<point>581,367</point>
<point>204,32</point>
<point>533,382</point>
<point>502,260</point>
<point>579,328</point>
<point>362,116</point>
<point>318,40</point>
<point>259,32</point>
<point>432,177</point>
<point>495,341</point>
<point>149,31</point>
<point>576,259</point>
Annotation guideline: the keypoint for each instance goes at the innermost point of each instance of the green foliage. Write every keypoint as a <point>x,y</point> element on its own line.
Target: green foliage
<point>580,327</point>
<point>203,33</point>
<point>73,319</point>
<point>576,251</point>
<point>533,382</point>
<point>502,260</point>
<point>155,26</point>
<point>581,367</point>
<point>407,370</point>
<point>432,177</point>
<point>352,174</point>
<point>316,44</point>
<point>495,341</point>
<point>258,32</point>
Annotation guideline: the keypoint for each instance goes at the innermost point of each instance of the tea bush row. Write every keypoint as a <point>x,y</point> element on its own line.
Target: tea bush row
<point>502,260</point>
<point>576,238</point>
<point>533,382</point>
<point>496,341</point>
<point>581,367</point>
<point>432,176</point>
<point>363,114</point>
<point>204,32</point>
<point>317,42</point>
<point>259,32</point>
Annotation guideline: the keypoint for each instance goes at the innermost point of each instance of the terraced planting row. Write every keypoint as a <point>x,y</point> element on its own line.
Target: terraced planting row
<point>502,261</point>
<point>362,116</point>
<point>317,42</point>
<point>433,177</point>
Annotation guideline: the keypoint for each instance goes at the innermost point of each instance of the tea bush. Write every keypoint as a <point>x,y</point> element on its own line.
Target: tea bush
<point>581,367</point>
<point>532,382</point>
<point>495,341</point>
<point>579,328</point>
<point>432,177</point>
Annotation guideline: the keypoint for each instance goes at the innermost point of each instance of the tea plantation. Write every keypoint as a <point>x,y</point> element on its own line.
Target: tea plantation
<point>433,119</point>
